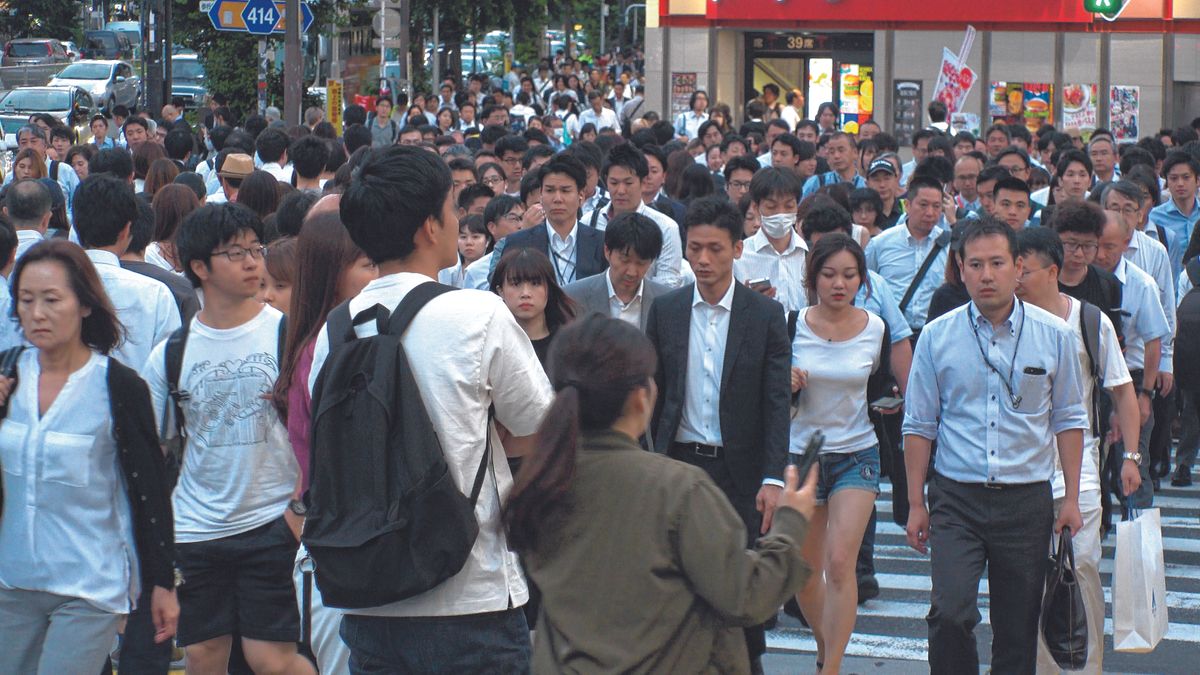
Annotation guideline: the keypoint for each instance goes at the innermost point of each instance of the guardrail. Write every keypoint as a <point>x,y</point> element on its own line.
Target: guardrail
<point>28,76</point>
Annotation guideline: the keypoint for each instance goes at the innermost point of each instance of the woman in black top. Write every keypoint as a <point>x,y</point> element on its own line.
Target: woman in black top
<point>525,280</point>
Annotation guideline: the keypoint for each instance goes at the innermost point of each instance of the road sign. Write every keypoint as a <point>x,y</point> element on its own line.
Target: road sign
<point>229,15</point>
<point>1102,6</point>
<point>260,17</point>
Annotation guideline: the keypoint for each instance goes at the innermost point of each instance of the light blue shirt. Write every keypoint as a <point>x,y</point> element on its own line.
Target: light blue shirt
<point>883,303</point>
<point>953,396</point>
<point>688,123</point>
<point>897,256</point>
<point>1175,223</point>
<point>10,329</point>
<point>1145,319</point>
<point>818,181</point>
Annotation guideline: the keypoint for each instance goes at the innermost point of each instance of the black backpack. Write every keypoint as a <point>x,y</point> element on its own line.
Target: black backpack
<point>385,519</point>
<point>1187,331</point>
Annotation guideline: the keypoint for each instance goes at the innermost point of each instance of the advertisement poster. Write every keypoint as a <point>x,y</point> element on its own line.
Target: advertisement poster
<point>1037,105</point>
<point>998,104</point>
<point>1081,108</point>
<point>820,84</point>
<point>954,82</point>
<point>683,85</point>
<point>857,95</point>
<point>968,122</point>
<point>333,103</point>
<point>1123,113</point>
<point>907,109</point>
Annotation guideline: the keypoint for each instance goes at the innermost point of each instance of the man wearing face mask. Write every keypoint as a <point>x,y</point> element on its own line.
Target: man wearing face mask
<point>773,260</point>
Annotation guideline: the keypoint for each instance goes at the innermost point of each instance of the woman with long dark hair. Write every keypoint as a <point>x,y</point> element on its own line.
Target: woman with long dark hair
<point>85,523</point>
<point>524,278</point>
<point>647,547</point>
<point>172,203</point>
<point>259,192</point>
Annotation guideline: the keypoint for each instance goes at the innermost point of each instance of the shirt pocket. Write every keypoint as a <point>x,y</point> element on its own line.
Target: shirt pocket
<point>66,458</point>
<point>12,447</point>
<point>1034,389</point>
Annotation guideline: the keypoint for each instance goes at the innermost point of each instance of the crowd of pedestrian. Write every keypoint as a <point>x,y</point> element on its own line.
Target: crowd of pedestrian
<point>617,330</point>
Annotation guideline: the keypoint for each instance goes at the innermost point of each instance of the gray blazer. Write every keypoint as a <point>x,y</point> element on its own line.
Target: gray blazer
<point>592,295</point>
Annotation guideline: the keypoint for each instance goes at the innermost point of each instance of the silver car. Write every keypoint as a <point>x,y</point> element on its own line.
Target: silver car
<point>111,83</point>
<point>70,105</point>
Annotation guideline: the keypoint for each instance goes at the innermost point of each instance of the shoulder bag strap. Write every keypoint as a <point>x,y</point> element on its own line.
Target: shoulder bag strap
<point>176,344</point>
<point>942,241</point>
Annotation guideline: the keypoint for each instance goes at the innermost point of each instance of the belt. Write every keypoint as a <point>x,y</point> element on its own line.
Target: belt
<point>698,449</point>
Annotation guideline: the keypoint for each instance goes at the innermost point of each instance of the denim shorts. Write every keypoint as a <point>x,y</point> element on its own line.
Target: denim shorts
<point>848,470</point>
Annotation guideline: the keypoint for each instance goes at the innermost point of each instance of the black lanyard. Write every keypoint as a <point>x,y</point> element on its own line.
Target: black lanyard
<point>1014,399</point>
<point>556,257</point>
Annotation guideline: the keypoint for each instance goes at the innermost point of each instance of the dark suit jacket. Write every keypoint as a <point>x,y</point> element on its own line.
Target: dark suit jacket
<point>755,382</point>
<point>589,248</point>
<point>669,207</point>
<point>592,296</point>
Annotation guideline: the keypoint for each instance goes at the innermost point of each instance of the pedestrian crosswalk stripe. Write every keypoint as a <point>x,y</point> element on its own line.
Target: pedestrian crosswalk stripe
<point>875,646</point>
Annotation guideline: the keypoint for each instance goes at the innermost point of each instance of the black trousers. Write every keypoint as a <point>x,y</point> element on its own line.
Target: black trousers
<point>1007,531</point>
<point>756,636</point>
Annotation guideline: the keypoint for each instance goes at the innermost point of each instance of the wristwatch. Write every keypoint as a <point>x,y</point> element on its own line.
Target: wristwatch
<point>297,507</point>
<point>1149,392</point>
<point>1135,457</point>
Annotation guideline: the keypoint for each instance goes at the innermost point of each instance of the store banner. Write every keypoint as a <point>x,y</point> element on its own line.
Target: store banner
<point>1081,108</point>
<point>877,11</point>
<point>907,109</point>
<point>1123,112</point>
<point>683,85</point>
<point>954,82</point>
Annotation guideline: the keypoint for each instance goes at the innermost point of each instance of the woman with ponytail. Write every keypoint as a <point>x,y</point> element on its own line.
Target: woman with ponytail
<point>641,560</point>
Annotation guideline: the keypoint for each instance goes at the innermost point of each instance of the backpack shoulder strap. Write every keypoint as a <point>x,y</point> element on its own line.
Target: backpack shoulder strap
<point>173,354</point>
<point>1089,324</point>
<point>412,303</point>
<point>595,216</point>
<point>792,317</point>
<point>281,339</point>
<point>54,164</point>
<point>1193,271</point>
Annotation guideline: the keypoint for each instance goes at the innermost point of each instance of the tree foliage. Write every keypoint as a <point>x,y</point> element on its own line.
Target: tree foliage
<point>41,18</point>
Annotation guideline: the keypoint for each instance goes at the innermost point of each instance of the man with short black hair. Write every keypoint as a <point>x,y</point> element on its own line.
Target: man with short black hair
<point>511,149</point>
<point>1179,214</point>
<point>920,150</point>
<point>309,155</point>
<point>106,210</point>
<point>839,152</point>
<point>272,146</point>
<point>179,144</point>
<point>385,131</point>
<point>113,161</point>
<point>1010,197</point>
<point>997,137</point>
<point>141,232</point>
<point>739,171</point>
<point>10,327</point>
<point>632,242</point>
<point>938,112</point>
<point>776,252</point>
<point>136,131</point>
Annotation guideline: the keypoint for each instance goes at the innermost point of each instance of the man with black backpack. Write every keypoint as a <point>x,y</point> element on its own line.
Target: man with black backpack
<point>236,522</point>
<point>408,472</point>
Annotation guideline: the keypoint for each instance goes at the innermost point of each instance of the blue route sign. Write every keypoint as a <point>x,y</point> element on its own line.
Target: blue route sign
<point>258,17</point>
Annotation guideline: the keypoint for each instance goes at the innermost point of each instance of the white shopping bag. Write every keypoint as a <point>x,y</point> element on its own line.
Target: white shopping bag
<point>1139,585</point>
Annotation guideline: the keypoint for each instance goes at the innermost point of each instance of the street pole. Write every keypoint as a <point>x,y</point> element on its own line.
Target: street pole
<point>293,64</point>
<point>435,54</point>
<point>405,55</point>
<point>603,14</point>
<point>262,76</point>
<point>168,50</point>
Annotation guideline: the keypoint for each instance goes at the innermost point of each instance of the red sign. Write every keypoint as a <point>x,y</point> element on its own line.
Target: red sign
<point>874,11</point>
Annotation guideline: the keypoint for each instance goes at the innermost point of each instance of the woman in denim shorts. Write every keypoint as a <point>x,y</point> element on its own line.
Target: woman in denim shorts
<point>839,358</point>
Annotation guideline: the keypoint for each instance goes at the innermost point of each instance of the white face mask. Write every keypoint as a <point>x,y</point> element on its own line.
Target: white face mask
<point>779,225</point>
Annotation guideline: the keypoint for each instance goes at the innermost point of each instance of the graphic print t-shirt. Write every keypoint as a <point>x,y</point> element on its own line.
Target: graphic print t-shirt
<point>238,469</point>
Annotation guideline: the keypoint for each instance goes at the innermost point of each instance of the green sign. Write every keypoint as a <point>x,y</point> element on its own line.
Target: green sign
<point>1103,6</point>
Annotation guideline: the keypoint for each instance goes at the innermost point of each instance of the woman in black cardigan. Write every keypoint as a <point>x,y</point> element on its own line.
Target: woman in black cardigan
<point>86,526</point>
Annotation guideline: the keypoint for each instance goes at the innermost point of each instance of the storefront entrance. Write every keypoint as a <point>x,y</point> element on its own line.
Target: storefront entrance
<point>824,67</point>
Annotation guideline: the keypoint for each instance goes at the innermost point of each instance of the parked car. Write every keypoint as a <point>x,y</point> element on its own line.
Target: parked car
<point>110,83</point>
<point>106,44</point>
<point>187,80</point>
<point>72,49</point>
<point>34,52</point>
<point>71,105</point>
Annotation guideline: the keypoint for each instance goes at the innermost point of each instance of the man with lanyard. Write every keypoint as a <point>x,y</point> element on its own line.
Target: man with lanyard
<point>883,177</point>
<point>997,383</point>
<point>575,250</point>
<point>1178,216</point>
<point>624,170</point>
<point>912,257</point>
<point>839,152</point>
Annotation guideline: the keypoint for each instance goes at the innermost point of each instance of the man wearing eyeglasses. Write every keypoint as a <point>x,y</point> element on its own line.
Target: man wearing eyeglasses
<point>1079,224</point>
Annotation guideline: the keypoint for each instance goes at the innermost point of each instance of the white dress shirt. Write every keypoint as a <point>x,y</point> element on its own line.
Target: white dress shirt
<point>666,269</point>
<point>26,239</point>
<point>707,334</point>
<point>563,252</point>
<point>283,174</point>
<point>605,119</point>
<point>631,312</point>
<point>483,359</point>
<point>760,260</point>
<point>144,306</point>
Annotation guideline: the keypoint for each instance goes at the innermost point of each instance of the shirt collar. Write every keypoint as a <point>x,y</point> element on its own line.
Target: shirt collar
<point>1120,271</point>
<point>1175,207</point>
<point>570,238</point>
<point>99,257</point>
<point>726,301</point>
<point>933,234</point>
<point>1014,319</point>
<point>612,292</point>
<point>759,242</point>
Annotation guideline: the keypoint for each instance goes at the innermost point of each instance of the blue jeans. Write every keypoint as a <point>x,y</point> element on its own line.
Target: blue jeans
<point>496,642</point>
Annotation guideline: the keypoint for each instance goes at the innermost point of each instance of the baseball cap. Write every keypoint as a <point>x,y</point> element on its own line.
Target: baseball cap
<point>882,165</point>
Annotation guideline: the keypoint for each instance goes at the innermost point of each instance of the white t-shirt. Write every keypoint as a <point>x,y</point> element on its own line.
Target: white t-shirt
<point>238,468</point>
<point>1113,373</point>
<point>835,400</point>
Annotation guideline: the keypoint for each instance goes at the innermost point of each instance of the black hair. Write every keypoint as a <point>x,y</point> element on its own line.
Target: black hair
<point>923,181</point>
<point>491,134</point>
<point>472,192</point>
<point>1080,217</point>
<point>356,136</point>
<point>62,132</point>
<point>270,144</point>
<point>730,139</point>
<point>772,181</point>
<point>499,207</point>
<point>695,181</point>
<point>1147,180</point>
<point>865,197</point>
<point>519,265</point>
<point>254,125</point>
<point>794,143</point>
<point>207,228</point>
<point>218,135</point>
<point>1020,131</point>
<point>103,205</point>
<point>1011,183</point>
<point>940,169</point>
<point>988,226</point>
<point>1014,150</point>
<point>289,216</point>
<point>937,111</point>
<point>8,241</point>
<point>1133,155</point>
<point>714,211</point>
<point>1000,127</point>
<point>529,182</point>
<point>1066,159</point>
<point>922,134</point>
<point>826,248</point>
<point>239,140</point>
<point>965,136</point>
<point>634,232</point>
<point>1043,242</point>
<point>1177,157</point>
<point>589,154</point>
<point>114,161</point>
<point>945,144</point>
<point>568,165</point>
<point>192,181</point>
<point>475,224</point>
<point>308,156</point>
<point>141,232</point>
<point>396,190</point>
<point>536,152</point>
<point>101,330</point>
<point>511,143</point>
<point>994,172</point>
<point>627,157</point>
<point>653,150</point>
<point>536,136</point>
<point>827,216</point>
<point>27,201</point>
<point>692,98</point>
<point>742,162</point>
<point>136,121</point>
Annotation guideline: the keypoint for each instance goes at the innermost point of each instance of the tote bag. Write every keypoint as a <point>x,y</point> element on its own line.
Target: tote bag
<point>1139,585</point>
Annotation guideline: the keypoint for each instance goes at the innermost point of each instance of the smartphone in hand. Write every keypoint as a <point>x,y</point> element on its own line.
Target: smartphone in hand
<point>805,460</point>
<point>759,285</point>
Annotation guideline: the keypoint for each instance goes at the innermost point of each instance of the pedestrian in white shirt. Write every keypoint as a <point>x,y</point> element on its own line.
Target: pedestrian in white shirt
<point>687,124</point>
<point>776,252</point>
<point>272,147</point>
<point>27,205</point>
<point>603,118</point>
<point>399,212</point>
<point>146,308</point>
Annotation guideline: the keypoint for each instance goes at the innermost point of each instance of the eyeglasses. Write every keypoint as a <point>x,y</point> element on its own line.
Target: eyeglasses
<point>513,216</point>
<point>1026,272</point>
<point>1072,246</point>
<point>493,180</point>
<point>237,253</point>
<point>739,184</point>
<point>1127,210</point>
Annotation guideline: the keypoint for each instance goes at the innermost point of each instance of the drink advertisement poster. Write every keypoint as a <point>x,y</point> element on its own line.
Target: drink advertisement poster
<point>954,82</point>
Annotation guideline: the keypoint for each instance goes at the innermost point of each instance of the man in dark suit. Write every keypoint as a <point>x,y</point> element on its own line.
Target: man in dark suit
<point>631,244</point>
<point>652,185</point>
<point>723,376</point>
<point>575,250</point>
